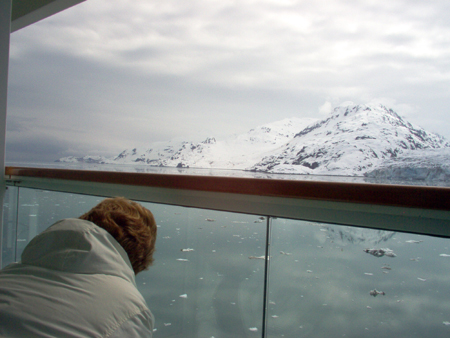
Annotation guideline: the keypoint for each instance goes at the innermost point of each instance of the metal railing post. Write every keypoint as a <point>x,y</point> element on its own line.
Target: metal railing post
<point>5,22</point>
<point>266,278</point>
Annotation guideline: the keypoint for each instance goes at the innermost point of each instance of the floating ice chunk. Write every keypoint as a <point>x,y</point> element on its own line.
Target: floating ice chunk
<point>285,253</point>
<point>209,219</point>
<point>368,273</point>
<point>182,260</point>
<point>308,271</point>
<point>375,292</point>
<point>253,329</point>
<point>446,323</point>
<point>422,279</point>
<point>256,257</point>
<point>444,255</point>
<point>381,252</point>
<point>274,316</point>
<point>413,241</point>
<point>187,250</point>
<point>183,296</point>
<point>167,324</point>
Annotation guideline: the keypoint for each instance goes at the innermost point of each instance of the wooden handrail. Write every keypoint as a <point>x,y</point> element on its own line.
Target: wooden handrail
<point>437,198</point>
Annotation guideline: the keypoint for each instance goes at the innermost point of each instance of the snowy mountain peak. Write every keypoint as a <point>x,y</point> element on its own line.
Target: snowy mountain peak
<point>351,141</point>
<point>209,140</point>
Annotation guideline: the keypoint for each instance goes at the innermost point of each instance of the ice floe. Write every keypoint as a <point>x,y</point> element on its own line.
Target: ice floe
<point>256,257</point>
<point>375,292</point>
<point>381,252</point>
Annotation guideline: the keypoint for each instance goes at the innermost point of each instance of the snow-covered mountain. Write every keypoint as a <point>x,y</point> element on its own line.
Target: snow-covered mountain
<point>352,140</point>
<point>234,152</point>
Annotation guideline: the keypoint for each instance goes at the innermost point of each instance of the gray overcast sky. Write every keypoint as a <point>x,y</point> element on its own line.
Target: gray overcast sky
<point>107,75</point>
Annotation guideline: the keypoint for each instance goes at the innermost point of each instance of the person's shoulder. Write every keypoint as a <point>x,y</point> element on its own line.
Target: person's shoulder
<point>138,325</point>
<point>71,224</point>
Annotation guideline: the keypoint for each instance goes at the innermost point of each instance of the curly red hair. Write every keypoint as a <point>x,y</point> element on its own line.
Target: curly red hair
<point>132,225</point>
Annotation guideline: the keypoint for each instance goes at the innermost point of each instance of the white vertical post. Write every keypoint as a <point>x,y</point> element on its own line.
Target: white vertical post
<point>5,22</point>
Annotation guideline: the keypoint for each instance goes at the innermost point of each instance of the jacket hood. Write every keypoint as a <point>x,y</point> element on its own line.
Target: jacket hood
<point>78,246</point>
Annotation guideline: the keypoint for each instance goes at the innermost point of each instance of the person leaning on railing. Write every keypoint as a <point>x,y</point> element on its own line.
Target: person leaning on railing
<point>77,278</point>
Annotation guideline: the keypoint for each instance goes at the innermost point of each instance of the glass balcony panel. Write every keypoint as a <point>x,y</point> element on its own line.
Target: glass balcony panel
<point>208,275</point>
<point>9,225</point>
<point>323,283</point>
<point>38,209</point>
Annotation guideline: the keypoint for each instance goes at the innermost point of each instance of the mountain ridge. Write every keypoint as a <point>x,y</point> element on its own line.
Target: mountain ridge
<point>353,140</point>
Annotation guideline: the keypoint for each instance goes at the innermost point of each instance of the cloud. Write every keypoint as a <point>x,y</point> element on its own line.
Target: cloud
<point>38,148</point>
<point>117,73</point>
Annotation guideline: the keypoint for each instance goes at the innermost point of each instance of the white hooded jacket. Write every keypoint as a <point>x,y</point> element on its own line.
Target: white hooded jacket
<point>74,280</point>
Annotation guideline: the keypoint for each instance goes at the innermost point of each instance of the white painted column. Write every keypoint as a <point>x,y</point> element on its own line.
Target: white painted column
<point>5,22</point>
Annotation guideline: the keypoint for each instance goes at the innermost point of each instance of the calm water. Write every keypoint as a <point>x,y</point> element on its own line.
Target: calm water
<point>227,173</point>
<point>208,276</point>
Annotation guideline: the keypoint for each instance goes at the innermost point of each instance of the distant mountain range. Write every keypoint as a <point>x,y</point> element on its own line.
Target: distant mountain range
<point>353,140</point>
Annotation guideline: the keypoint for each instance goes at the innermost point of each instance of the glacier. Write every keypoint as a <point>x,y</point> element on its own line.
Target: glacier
<point>353,140</point>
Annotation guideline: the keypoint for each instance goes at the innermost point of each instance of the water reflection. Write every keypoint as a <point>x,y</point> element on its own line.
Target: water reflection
<point>323,288</point>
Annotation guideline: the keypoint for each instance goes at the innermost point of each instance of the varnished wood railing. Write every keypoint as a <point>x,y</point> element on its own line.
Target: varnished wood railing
<point>436,198</point>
